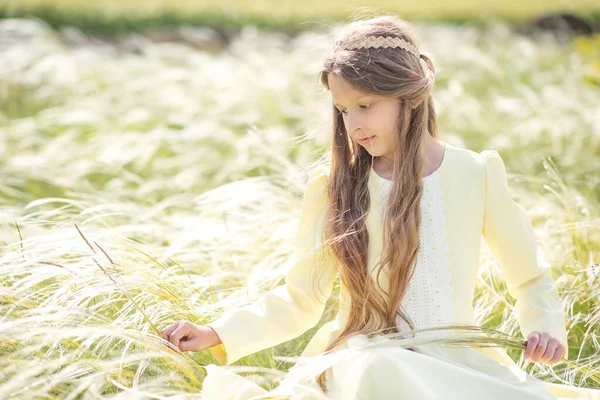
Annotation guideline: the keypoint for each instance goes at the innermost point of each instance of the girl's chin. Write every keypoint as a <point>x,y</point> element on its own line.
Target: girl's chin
<point>371,149</point>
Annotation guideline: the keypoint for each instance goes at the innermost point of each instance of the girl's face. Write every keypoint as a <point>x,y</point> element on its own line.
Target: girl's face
<point>367,115</point>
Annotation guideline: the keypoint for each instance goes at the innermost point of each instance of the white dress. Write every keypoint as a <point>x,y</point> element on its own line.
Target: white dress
<point>386,371</point>
<point>378,369</point>
<point>428,300</point>
<point>465,198</point>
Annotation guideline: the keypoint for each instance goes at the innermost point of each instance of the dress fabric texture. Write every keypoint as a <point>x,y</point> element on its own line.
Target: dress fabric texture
<point>464,201</point>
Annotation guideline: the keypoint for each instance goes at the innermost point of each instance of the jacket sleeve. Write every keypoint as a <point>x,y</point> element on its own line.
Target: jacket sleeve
<point>294,307</point>
<point>509,233</point>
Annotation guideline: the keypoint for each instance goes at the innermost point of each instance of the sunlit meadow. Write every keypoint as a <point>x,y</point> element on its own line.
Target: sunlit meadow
<point>145,182</point>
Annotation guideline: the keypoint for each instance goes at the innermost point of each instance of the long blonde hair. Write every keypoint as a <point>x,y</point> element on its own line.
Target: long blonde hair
<point>393,73</point>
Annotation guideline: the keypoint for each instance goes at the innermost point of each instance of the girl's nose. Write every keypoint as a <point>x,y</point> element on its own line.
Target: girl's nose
<point>354,122</point>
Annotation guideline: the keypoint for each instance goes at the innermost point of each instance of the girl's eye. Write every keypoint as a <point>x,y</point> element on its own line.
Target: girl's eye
<point>363,106</point>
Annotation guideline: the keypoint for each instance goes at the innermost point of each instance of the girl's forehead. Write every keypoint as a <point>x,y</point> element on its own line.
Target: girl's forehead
<point>345,98</point>
<point>343,90</point>
<point>342,83</point>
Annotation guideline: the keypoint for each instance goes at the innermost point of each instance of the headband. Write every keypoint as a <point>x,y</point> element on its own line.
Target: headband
<point>378,41</point>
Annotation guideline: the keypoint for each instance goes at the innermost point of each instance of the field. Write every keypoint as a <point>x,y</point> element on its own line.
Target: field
<point>144,182</point>
<point>110,16</point>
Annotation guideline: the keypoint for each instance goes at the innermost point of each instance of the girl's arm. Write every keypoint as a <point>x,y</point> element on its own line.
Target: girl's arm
<point>294,307</point>
<point>510,236</point>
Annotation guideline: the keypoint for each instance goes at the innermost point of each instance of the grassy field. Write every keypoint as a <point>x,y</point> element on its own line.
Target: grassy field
<point>111,16</point>
<point>140,187</point>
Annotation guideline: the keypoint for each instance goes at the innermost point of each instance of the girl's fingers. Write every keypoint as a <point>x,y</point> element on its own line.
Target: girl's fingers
<point>550,351</point>
<point>179,333</point>
<point>170,329</point>
<point>532,342</point>
<point>560,352</point>
<point>166,333</point>
<point>541,348</point>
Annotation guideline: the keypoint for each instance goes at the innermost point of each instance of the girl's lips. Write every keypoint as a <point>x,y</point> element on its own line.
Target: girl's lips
<point>367,140</point>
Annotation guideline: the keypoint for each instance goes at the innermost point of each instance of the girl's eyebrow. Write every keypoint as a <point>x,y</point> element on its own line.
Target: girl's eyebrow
<point>357,99</point>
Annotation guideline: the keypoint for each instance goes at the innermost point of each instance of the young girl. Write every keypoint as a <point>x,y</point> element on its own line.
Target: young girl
<point>399,217</point>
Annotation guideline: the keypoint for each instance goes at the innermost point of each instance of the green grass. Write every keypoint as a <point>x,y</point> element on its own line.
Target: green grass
<point>184,170</point>
<point>112,16</point>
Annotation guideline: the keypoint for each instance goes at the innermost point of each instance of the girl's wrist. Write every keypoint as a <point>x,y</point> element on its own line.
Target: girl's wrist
<point>215,337</point>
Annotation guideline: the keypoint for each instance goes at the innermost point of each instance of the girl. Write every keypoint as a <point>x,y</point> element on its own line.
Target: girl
<point>398,216</point>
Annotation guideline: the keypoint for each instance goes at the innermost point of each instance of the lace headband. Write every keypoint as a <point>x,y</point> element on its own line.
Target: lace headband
<point>378,41</point>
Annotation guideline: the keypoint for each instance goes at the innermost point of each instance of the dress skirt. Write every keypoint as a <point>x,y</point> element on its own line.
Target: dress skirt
<point>378,368</point>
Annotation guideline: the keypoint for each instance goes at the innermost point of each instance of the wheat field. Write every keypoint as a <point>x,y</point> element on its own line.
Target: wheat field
<point>145,182</point>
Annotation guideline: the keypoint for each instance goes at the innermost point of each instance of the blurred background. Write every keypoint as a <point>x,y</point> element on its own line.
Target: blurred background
<point>153,157</point>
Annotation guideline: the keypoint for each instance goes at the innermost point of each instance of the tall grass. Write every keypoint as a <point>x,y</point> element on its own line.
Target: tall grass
<point>144,183</point>
<point>119,16</point>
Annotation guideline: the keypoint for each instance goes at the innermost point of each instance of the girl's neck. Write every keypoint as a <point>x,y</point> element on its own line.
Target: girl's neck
<point>433,155</point>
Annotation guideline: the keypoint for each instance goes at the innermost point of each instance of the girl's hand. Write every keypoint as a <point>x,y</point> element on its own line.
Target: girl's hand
<point>541,347</point>
<point>187,336</point>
